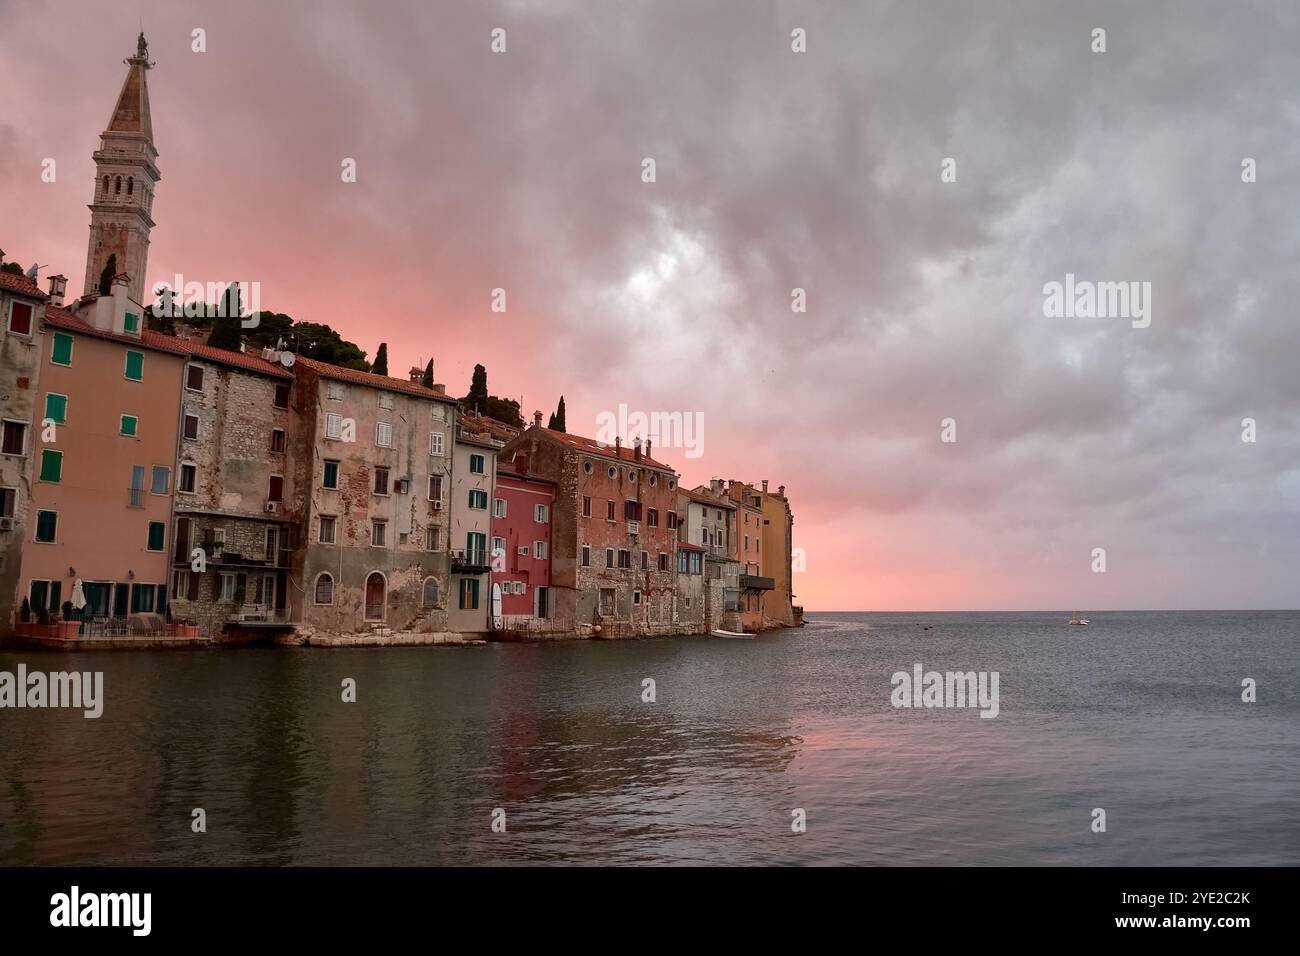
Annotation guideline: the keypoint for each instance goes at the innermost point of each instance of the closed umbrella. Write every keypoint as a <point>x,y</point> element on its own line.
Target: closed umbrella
<point>78,595</point>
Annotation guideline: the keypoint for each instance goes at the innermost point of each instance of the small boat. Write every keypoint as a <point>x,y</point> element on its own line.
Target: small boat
<point>1080,621</point>
<point>739,635</point>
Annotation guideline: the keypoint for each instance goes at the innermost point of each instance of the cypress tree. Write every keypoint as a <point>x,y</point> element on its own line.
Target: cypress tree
<point>381,360</point>
<point>427,381</point>
<point>106,277</point>
<point>557,418</point>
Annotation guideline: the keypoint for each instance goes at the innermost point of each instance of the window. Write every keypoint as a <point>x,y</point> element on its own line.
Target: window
<point>632,510</point>
<point>435,444</point>
<point>56,407</point>
<point>681,562</point>
<point>385,400</point>
<point>607,602</point>
<point>334,391</point>
<point>586,555</point>
<point>157,535</point>
<point>523,550</point>
<point>432,538</point>
<point>131,322</point>
<point>652,517</point>
<point>188,479</point>
<point>194,378</point>
<point>539,549</point>
<point>51,465</point>
<point>498,547</point>
<point>613,472</point>
<point>47,526</point>
<point>609,557</point>
<point>498,507</point>
<point>631,475</point>
<point>331,479</point>
<point>130,426</point>
<point>672,520</point>
<point>671,484</point>
<point>586,468</point>
<point>663,561</point>
<point>281,399</point>
<point>476,464</point>
<point>381,481</point>
<point>161,481</point>
<point>435,488</point>
<point>378,533</point>
<point>277,440</point>
<point>624,558</point>
<point>191,426</point>
<point>384,434</point>
<point>327,530</point>
<point>333,425</point>
<point>135,366</point>
<point>541,514</point>
<point>324,588</point>
<point>609,511</point>
<point>478,500</point>
<point>15,438</point>
<point>696,558</point>
<point>586,507</point>
<point>8,501</point>
<point>645,560</point>
<point>636,598</point>
<point>20,318</point>
<point>61,349</point>
<point>228,586</point>
<point>430,596</point>
<point>275,488</point>
<point>469,594</point>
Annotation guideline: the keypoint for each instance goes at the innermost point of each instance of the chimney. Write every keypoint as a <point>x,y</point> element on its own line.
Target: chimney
<point>647,448</point>
<point>764,486</point>
<point>58,285</point>
<point>416,375</point>
<point>537,419</point>
<point>636,445</point>
<point>715,485</point>
<point>781,490</point>
<point>618,446</point>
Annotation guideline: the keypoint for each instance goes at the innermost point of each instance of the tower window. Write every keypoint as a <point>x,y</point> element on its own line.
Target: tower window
<point>130,185</point>
<point>117,185</point>
<point>105,185</point>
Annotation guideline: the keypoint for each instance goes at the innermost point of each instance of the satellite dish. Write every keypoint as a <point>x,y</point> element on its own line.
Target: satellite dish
<point>287,359</point>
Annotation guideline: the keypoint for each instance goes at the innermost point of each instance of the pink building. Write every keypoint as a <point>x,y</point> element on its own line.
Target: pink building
<point>521,543</point>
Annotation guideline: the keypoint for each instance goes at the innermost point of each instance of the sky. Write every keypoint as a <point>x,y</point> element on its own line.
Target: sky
<point>774,170</point>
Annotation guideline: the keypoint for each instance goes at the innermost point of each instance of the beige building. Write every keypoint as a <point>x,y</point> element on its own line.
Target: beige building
<point>778,551</point>
<point>473,498</point>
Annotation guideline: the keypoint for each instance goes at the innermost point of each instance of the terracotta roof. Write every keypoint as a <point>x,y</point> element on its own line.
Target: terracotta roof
<point>20,283</point>
<point>592,447</point>
<point>707,499</point>
<point>686,546</point>
<point>481,426</point>
<point>63,319</point>
<point>371,380</point>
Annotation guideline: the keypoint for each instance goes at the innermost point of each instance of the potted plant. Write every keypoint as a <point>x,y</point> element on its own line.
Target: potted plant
<point>70,625</point>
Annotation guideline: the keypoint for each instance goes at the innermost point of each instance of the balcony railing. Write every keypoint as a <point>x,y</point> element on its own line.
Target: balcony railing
<point>135,497</point>
<point>754,582</point>
<point>471,560</point>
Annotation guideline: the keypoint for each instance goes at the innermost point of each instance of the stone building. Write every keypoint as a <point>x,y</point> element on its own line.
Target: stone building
<point>710,518</point>
<point>614,532</point>
<point>371,458</point>
<point>233,479</point>
<point>690,611</point>
<point>22,310</point>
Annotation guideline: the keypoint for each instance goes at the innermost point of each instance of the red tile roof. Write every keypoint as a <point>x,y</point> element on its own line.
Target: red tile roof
<point>370,380</point>
<point>708,499</point>
<point>686,546</point>
<point>20,283</point>
<point>63,319</point>
<point>592,447</point>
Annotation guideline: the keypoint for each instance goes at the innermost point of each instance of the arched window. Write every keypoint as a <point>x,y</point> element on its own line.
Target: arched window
<point>324,588</point>
<point>105,185</point>
<point>130,185</point>
<point>430,592</point>
<point>117,185</point>
<point>376,592</point>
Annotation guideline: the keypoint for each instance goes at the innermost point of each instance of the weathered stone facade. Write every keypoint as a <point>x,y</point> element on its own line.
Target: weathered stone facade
<point>372,500</point>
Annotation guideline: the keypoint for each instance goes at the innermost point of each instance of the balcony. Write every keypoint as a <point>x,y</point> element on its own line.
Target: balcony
<point>135,497</point>
<point>471,561</point>
<point>753,582</point>
<point>634,527</point>
<point>259,615</point>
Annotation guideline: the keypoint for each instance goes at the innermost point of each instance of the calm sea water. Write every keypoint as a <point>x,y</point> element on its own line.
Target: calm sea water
<point>1139,714</point>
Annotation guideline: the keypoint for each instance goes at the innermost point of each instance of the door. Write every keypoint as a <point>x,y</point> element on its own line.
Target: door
<point>375,597</point>
<point>97,595</point>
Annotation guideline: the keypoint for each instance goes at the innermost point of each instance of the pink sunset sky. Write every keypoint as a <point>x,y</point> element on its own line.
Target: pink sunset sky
<point>775,170</point>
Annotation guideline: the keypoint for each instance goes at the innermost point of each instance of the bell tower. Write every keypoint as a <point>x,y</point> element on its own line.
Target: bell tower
<point>126,174</point>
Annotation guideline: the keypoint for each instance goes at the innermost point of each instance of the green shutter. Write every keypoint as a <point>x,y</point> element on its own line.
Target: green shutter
<point>132,322</point>
<point>56,595</point>
<point>130,424</point>
<point>51,465</point>
<point>40,594</point>
<point>61,352</point>
<point>121,595</point>
<point>331,474</point>
<point>56,407</point>
<point>156,534</point>
<point>47,524</point>
<point>135,366</point>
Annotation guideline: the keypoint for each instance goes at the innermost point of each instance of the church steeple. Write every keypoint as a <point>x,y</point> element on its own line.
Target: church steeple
<point>126,174</point>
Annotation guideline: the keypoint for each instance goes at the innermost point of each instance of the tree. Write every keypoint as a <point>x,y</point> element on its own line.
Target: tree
<point>106,277</point>
<point>427,381</point>
<point>161,323</point>
<point>12,267</point>
<point>557,420</point>
<point>227,329</point>
<point>478,393</point>
<point>381,360</point>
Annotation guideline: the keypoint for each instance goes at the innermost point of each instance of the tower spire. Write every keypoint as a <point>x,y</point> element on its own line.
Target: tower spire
<point>126,173</point>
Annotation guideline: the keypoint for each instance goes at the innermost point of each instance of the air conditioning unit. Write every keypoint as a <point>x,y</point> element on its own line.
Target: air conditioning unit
<point>403,486</point>
<point>273,507</point>
<point>634,527</point>
<point>6,524</point>
<point>437,505</point>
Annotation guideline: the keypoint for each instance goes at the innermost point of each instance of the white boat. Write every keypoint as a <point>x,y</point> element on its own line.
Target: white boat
<point>1081,621</point>
<point>735,634</point>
